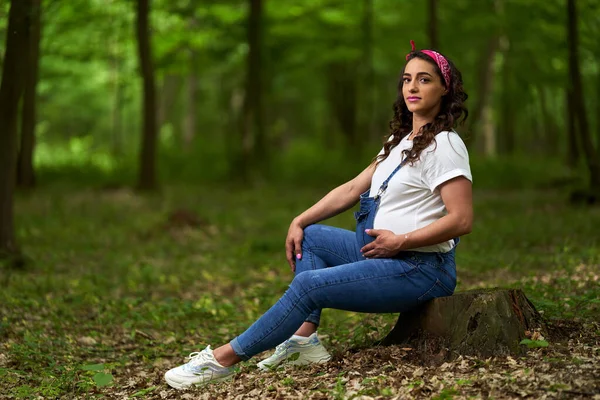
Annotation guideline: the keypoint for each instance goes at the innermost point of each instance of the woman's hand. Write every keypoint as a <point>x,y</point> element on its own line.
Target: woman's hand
<point>386,244</point>
<point>293,244</point>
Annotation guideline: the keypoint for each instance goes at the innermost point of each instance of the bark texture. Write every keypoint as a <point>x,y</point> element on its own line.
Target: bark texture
<point>483,323</point>
<point>481,110</point>
<point>11,90</point>
<point>573,147</point>
<point>368,96</point>
<point>25,171</point>
<point>585,137</point>
<point>147,172</point>
<point>253,139</point>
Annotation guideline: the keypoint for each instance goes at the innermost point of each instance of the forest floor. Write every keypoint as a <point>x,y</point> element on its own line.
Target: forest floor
<point>120,287</point>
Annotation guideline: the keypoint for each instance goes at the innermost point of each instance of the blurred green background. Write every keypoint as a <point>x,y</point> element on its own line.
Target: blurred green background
<point>260,108</point>
<point>327,74</point>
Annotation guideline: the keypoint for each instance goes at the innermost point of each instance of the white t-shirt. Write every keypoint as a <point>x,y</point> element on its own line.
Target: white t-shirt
<point>412,199</point>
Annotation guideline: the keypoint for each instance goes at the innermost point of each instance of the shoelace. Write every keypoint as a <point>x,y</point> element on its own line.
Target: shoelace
<point>282,348</point>
<point>199,357</point>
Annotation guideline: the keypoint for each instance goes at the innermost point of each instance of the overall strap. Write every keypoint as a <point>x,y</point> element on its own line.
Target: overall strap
<point>384,185</point>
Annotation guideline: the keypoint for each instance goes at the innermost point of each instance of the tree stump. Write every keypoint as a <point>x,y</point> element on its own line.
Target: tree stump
<point>483,322</point>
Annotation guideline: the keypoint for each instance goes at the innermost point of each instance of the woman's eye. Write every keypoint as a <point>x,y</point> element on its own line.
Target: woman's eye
<point>424,80</point>
<point>406,80</point>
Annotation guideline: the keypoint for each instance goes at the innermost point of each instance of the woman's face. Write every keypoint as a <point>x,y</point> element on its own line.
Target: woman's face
<point>422,88</point>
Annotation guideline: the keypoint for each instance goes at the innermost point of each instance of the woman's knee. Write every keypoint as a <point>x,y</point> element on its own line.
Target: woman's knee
<point>303,281</point>
<point>301,287</point>
<point>312,235</point>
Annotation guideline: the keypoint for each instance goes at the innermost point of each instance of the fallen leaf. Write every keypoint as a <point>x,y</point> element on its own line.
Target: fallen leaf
<point>87,341</point>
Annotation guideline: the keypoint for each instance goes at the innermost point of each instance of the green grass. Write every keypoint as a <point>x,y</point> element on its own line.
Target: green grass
<point>111,282</point>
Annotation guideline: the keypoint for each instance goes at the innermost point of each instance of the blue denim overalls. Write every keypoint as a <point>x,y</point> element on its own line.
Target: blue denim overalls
<point>365,216</point>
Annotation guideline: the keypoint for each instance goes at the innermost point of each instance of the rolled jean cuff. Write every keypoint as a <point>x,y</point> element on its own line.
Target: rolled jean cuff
<point>235,345</point>
<point>314,320</point>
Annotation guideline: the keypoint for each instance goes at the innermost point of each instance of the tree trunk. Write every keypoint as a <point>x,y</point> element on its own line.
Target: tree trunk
<point>507,108</point>
<point>189,122</point>
<point>368,88</point>
<point>11,89</point>
<point>25,172</point>
<point>484,91</point>
<point>483,323</point>
<point>169,92</point>
<point>549,124</point>
<point>572,135</point>
<point>342,88</point>
<point>589,150</point>
<point>191,98</point>
<point>488,129</point>
<point>253,139</point>
<point>117,88</point>
<point>147,172</point>
<point>433,24</point>
<point>598,111</point>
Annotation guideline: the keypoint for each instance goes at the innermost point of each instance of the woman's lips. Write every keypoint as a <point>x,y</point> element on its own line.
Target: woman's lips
<point>413,98</point>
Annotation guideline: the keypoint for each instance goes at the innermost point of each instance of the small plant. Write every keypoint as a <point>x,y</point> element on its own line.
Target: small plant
<point>289,381</point>
<point>100,377</point>
<point>534,340</point>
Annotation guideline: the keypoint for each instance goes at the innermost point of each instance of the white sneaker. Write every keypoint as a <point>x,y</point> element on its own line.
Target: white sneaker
<point>200,370</point>
<point>297,350</point>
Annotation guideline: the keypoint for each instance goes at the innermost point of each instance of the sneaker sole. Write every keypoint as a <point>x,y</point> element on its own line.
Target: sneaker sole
<point>303,360</point>
<point>182,385</point>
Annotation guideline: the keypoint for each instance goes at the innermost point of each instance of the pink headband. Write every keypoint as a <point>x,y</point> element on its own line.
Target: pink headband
<point>439,59</point>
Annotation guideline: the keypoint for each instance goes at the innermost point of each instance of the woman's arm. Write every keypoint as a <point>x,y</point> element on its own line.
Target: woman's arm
<point>336,201</point>
<point>458,199</point>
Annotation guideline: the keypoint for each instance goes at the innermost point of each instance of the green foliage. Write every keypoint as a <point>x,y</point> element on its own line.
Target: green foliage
<point>446,394</point>
<point>102,379</point>
<point>89,90</point>
<point>99,377</point>
<point>532,344</point>
<point>144,392</point>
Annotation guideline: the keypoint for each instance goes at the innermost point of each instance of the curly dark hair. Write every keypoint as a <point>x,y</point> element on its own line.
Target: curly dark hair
<point>452,113</point>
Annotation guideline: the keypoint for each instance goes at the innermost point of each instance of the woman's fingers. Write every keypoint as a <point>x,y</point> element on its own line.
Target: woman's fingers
<point>293,246</point>
<point>298,248</point>
<point>289,254</point>
<point>368,247</point>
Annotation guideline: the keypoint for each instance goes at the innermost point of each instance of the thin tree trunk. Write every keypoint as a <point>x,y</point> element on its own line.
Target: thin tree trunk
<point>589,150</point>
<point>507,109</point>
<point>548,123</point>
<point>598,111</point>
<point>25,171</point>
<point>11,89</point>
<point>147,172</point>
<point>171,84</point>
<point>342,92</point>
<point>253,139</point>
<point>488,129</point>
<point>368,107</point>
<point>572,135</point>
<point>116,118</point>
<point>484,91</point>
<point>189,122</point>
<point>433,24</point>
<point>117,98</point>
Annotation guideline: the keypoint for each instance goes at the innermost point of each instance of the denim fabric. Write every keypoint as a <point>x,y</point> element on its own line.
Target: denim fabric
<point>333,274</point>
<point>365,218</point>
